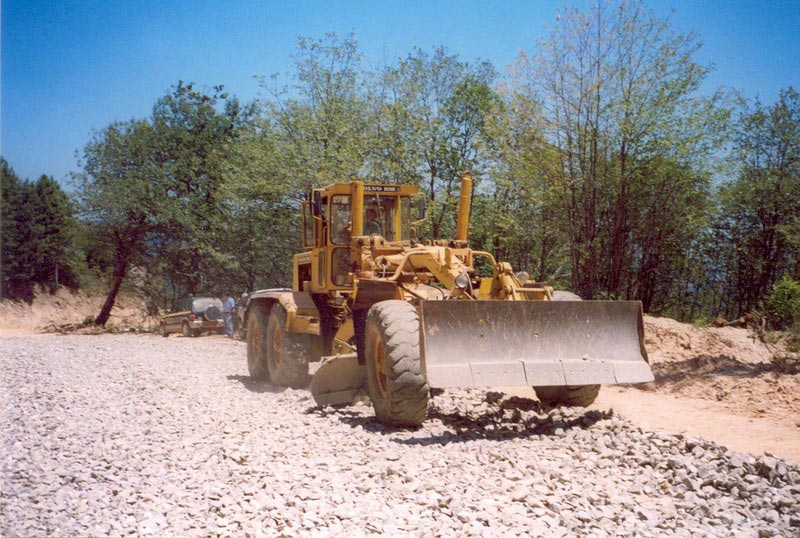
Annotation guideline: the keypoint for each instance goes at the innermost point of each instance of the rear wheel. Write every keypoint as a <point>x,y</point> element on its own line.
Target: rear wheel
<point>185,330</point>
<point>287,353</point>
<point>257,343</point>
<point>395,381</point>
<point>570,395</point>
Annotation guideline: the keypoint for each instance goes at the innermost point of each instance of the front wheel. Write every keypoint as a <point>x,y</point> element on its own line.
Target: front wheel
<point>570,395</point>
<point>185,330</point>
<point>163,330</point>
<point>395,381</point>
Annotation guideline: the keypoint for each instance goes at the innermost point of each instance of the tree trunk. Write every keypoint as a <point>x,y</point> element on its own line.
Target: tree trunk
<point>120,268</point>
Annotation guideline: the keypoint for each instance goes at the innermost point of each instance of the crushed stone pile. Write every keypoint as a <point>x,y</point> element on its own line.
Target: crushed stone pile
<point>118,435</point>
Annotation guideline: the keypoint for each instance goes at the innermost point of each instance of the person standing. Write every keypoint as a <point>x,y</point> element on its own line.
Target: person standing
<point>228,311</point>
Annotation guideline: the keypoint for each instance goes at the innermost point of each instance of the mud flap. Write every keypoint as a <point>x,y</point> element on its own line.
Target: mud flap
<point>532,343</point>
<point>338,380</point>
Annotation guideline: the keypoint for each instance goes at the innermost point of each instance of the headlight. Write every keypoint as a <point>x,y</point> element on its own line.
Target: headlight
<point>462,281</point>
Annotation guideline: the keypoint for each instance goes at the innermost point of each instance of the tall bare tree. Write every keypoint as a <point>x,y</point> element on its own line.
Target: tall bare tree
<point>618,93</point>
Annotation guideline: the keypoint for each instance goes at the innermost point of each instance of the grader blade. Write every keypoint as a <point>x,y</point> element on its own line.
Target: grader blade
<point>337,380</point>
<point>533,343</point>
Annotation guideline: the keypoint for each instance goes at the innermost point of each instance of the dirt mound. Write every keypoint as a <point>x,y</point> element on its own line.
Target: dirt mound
<point>668,340</point>
<point>66,307</point>
<point>728,365</point>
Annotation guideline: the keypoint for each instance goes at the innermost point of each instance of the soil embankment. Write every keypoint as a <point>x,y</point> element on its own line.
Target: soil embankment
<point>66,307</point>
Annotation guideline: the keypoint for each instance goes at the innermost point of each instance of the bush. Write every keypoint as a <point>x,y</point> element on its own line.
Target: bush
<point>783,304</point>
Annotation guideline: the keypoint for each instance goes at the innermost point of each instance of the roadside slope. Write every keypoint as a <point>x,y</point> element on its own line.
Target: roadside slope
<point>69,307</point>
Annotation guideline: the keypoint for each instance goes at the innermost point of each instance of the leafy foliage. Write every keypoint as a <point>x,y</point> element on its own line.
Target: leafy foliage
<point>783,303</point>
<point>434,108</point>
<point>38,230</point>
<point>597,163</point>
<point>626,135</point>
<point>759,209</point>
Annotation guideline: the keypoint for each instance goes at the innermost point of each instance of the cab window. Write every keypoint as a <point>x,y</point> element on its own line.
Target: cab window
<point>308,225</point>
<point>340,219</point>
<point>379,216</point>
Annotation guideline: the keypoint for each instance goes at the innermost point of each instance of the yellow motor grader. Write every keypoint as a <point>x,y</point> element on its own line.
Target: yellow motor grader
<point>374,307</point>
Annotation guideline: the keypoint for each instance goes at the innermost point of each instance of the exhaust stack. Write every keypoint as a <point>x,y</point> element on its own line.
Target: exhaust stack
<point>462,225</point>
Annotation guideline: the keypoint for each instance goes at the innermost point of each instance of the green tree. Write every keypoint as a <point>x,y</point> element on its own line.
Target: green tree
<point>18,235</point>
<point>617,88</point>
<point>52,215</point>
<point>433,114</point>
<point>196,133</point>
<point>38,230</point>
<point>516,217</point>
<point>783,304</point>
<point>123,193</point>
<point>260,216</point>
<point>320,119</point>
<point>152,191</point>
<point>759,208</point>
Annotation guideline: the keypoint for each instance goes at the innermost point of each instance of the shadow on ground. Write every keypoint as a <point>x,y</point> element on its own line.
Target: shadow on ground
<point>511,418</point>
<point>255,386</point>
<point>708,365</point>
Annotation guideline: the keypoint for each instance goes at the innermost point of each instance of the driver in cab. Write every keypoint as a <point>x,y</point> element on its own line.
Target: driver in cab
<point>371,224</point>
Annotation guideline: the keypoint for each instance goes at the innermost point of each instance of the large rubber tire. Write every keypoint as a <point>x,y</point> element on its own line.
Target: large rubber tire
<point>185,330</point>
<point>288,354</point>
<point>163,330</point>
<point>571,395</point>
<point>395,381</point>
<point>257,343</point>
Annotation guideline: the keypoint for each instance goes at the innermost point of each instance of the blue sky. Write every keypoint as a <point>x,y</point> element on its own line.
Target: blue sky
<point>69,67</point>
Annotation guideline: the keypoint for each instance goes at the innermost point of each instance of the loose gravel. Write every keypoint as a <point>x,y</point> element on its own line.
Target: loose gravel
<point>119,435</point>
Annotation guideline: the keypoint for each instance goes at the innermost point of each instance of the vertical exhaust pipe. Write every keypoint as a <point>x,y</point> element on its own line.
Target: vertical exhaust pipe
<point>464,201</point>
<point>357,201</point>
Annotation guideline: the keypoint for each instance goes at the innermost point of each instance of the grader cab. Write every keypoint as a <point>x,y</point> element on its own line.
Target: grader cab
<point>376,308</point>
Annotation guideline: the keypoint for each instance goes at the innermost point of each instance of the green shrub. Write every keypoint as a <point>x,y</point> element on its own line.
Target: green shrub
<point>783,304</point>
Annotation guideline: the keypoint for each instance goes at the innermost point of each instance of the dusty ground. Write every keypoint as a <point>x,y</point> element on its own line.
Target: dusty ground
<point>721,383</point>
<point>727,365</point>
<point>717,383</point>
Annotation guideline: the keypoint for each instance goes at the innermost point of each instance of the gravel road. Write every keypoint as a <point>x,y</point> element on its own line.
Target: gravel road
<point>141,435</point>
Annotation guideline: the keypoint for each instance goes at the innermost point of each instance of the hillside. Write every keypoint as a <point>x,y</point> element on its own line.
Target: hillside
<point>65,307</point>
